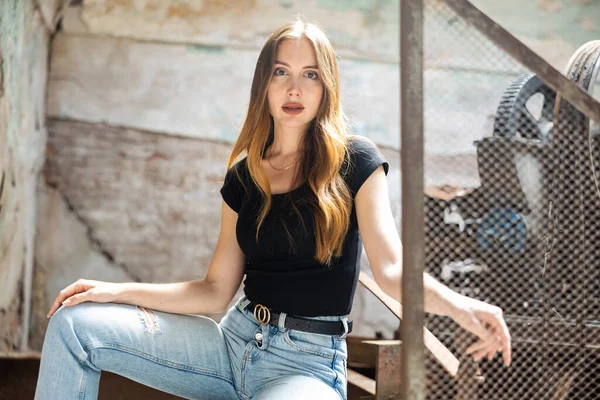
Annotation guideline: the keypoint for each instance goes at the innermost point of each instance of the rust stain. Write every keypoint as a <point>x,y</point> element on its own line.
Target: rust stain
<point>1,77</point>
<point>183,11</point>
<point>50,150</point>
<point>211,8</point>
<point>158,156</point>
<point>175,216</point>
<point>111,5</point>
<point>215,178</point>
<point>549,5</point>
<point>587,23</point>
<point>437,5</point>
<point>1,189</point>
<point>151,6</point>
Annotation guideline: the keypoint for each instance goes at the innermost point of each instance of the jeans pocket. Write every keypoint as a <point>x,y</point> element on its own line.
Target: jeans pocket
<point>310,343</point>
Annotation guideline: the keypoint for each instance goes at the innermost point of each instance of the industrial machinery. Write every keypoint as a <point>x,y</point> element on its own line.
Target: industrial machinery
<point>527,239</point>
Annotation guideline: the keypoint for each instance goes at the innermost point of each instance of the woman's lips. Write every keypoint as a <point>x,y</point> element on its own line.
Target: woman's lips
<point>292,109</point>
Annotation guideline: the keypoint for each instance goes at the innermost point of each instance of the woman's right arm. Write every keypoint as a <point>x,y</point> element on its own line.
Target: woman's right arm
<point>209,295</point>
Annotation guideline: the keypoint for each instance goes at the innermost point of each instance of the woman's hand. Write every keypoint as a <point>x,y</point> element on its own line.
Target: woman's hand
<point>86,290</point>
<point>486,322</point>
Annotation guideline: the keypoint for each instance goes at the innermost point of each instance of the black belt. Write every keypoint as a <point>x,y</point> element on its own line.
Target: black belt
<point>265,315</point>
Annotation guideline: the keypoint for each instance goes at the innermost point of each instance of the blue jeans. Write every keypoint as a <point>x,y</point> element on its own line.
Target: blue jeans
<point>188,356</point>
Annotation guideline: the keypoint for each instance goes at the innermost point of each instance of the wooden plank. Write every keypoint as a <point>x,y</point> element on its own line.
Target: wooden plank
<point>360,354</point>
<point>27,355</point>
<point>440,352</point>
<point>387,374</point>
<point>363,382</point>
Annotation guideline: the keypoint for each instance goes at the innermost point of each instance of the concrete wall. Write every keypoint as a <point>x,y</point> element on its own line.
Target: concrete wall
<point>145,99</point>
<point>25,28</point>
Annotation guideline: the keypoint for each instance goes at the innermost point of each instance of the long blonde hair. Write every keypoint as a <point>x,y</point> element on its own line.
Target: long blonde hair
<point>325,142</point>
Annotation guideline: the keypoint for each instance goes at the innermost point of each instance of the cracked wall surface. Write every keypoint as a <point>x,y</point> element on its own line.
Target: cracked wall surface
<point>64,253</point>
<point>24,50</point>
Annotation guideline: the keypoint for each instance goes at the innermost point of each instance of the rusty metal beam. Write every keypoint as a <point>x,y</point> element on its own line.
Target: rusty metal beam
<point>520,52</point>
<point>441,353</point>
<point>411,143</point>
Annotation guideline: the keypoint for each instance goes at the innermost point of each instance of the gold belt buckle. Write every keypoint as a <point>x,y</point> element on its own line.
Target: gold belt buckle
<point>262,314</point>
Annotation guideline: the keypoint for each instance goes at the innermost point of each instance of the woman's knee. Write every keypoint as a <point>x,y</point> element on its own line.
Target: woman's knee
<point>79,319</point>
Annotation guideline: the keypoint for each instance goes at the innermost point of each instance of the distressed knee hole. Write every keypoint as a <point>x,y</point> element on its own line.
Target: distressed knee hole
<point>148,319</point>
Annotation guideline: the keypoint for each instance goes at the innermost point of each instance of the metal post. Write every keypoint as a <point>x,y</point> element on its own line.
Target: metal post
<point>411,134</point>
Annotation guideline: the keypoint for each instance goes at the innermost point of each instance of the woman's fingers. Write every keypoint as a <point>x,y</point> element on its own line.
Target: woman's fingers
<point>88,295</point>
<point>482,344</point>
<point>489,347</point>
<point>499,326</point>
<point>63,294</point>
<point>476,327</point>
<point>484,348</point>
<point>487,323</point>
<point>76,299</point>
<point>480,354</point>
<point>69,291</point>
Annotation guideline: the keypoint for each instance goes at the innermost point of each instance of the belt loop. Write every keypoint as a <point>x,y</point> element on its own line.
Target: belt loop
<point>345,323</point>
<point>243,303</point>
<point>281,323</point>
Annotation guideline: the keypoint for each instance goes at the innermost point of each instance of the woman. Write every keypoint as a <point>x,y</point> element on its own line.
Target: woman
<point>291,215</point>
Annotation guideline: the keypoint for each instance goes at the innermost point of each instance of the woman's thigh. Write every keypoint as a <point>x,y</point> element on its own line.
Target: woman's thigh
<point>297,387</point>
<point>180,354</point>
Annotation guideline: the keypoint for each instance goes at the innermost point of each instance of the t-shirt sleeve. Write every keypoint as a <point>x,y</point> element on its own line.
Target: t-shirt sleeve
<point>366,158</point>
<point>233,190</point>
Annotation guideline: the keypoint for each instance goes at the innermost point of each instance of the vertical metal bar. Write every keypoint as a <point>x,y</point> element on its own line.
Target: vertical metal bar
<point>411,142</point>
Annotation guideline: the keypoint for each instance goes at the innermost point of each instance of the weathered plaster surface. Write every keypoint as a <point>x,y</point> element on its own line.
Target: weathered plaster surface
<point>23,49</point>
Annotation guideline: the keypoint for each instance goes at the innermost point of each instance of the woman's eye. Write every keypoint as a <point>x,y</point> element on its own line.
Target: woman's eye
<point>278,70</point>
<point>312,75</point>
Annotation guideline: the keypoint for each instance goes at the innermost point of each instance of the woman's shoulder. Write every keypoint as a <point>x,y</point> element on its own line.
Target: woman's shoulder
<point>237,174</point>
<point>362,149</point>
<point>239,168</point>
<point>364,157</point>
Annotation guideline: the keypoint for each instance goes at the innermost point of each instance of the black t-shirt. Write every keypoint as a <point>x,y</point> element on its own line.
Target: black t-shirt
<point>284,275</point>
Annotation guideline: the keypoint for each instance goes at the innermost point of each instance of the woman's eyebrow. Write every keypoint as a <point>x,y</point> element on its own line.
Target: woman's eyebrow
<point>287,65</point>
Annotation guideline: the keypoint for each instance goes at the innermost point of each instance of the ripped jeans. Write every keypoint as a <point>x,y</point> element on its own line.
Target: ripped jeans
<point>189,356</point>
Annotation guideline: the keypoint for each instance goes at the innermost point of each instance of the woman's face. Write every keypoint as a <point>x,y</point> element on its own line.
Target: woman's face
<point>295,91</point>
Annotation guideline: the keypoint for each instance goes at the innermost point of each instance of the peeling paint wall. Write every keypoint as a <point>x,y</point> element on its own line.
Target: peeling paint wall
<point>146,97</point>
<point>24,50</point>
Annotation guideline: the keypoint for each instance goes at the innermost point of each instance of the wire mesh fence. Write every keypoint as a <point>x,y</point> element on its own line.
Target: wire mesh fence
<point>519,225</point>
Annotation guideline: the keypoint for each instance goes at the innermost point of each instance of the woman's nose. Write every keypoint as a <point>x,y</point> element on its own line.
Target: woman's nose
<point>294,89</point>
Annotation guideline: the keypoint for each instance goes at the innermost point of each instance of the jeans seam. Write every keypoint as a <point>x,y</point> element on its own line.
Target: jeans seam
<point>243,370</point>
<point>82,384</point>
<point>183,367</point>
<point>286,338</point>
<point>334,370</point>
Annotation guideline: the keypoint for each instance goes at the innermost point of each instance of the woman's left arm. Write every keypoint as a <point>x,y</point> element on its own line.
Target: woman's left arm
<point>384,251</point>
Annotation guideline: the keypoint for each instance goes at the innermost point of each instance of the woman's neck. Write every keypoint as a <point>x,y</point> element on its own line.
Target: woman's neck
<point>286,143</point>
